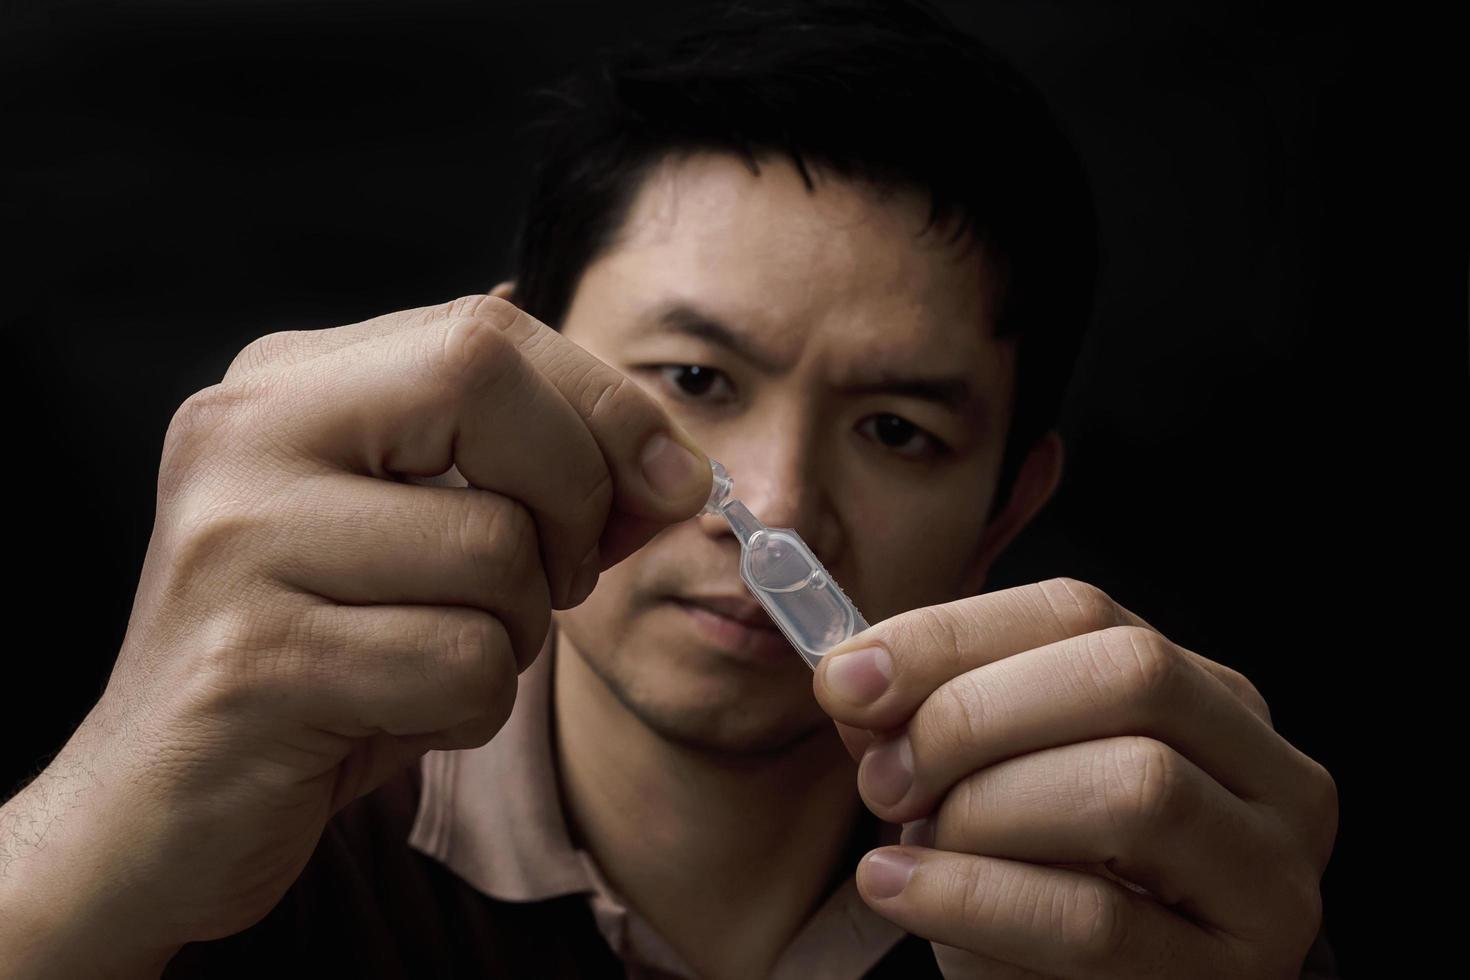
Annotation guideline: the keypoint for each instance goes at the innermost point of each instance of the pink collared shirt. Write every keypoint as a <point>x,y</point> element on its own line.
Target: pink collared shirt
<point>493,816</point>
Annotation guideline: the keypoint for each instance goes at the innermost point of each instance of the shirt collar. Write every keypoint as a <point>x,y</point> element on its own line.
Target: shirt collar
<point>493,816</point>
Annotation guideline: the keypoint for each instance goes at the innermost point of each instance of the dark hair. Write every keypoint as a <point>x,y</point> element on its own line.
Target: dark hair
<point>886,91</point>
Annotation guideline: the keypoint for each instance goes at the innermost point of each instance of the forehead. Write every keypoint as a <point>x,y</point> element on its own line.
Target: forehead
<point>841,270</point>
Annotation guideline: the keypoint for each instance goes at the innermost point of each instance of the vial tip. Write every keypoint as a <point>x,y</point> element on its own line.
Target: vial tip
<point>721,489</point>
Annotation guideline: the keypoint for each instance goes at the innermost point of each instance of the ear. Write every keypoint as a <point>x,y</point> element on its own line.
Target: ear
<point>1037,480</point>
<point>505,290</point>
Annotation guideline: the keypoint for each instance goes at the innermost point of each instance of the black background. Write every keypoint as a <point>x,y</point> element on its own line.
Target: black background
<point>183,177</point>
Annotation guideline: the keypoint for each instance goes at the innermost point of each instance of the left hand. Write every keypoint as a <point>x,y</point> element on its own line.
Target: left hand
<point>1098,801</point>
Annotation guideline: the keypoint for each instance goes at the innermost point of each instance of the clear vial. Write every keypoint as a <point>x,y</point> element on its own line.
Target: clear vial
<point>783,574</point>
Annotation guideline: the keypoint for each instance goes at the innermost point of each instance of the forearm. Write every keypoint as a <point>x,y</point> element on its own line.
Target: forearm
<point>36,945</point>
<point>57,901</point>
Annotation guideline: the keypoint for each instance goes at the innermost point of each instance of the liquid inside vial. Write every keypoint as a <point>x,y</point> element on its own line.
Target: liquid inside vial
<point>776,565</point>
<point>797,593</point>
<point>783,573</point>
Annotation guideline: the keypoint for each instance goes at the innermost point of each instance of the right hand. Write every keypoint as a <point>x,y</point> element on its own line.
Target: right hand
<point>309,621</point>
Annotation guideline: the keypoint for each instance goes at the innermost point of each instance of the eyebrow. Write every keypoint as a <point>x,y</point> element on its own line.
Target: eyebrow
<point>948,391</point>
<point>685,319</point>
<point>952,393</point>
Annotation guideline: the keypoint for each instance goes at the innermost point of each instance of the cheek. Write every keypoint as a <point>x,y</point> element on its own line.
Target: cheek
<point>605,612</point>
<point>617,613</point>
<point>916,555</point>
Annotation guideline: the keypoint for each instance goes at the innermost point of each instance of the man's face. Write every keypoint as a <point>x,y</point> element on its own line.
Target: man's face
<point>842,368</point>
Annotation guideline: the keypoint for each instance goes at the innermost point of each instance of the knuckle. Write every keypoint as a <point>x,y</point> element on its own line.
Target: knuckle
<point>1145,786</point>
<point>1324,789</point>
<point>474,351</point>
<point>1292,918</point>
<point>205,427</point>
<point>1078,606</point>
<point>1306,897</point>
<point>597,498</point>
<point>935,630</point>
<point>207,536</point>
<point>597,395</point>
<point>247,648</point>
<point>263,352</point>
<point>954,716</point>
<point>481,304</point>
<point>498,671</point>
<point>1322,807</point>
<point>1247,692</point>
<point>600,393</point>
<point>531,623</point>
<point>467,648</point>
<point>500,537</point>
<point>1148,667</point>
<point>965,805</point>
<point>477,659</point>
<point>200,416</point>
<point>961,899</point>
<point>1090,922</point>
<point>499,531</point>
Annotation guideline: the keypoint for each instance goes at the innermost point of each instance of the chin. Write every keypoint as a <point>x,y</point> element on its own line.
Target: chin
<point>728,734</point>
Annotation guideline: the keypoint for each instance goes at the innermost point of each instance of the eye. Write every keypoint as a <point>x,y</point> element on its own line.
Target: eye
<point>696,382</point>
<point>902,436</point>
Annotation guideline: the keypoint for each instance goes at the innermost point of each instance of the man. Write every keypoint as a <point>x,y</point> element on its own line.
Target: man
<point>776,243</point>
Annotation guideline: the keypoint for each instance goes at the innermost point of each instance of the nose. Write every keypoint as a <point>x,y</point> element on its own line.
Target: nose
<point>780,474</point>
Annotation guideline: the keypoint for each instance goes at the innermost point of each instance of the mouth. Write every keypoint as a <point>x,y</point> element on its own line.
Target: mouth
<point>735,624</point>
<point>738,609</point>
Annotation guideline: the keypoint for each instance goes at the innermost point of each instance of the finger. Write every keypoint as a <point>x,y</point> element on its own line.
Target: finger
<point>605,398</point>
<point>358,541</point>
<point>877,679</point>
<point>516,408</point>
<point>1121,681</point>
<point>1052,920</point>
<point>659,474</point>
<point>1139,809</point>
<point>401,405</point>
<point>398,670</point>
<point>287,347</point>
<point>377,758</point>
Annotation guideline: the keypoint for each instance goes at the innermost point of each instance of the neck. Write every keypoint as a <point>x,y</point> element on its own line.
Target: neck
<point>726,858</point>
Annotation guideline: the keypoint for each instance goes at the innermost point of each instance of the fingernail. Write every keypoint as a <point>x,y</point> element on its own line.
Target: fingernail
<point>861,676</point>
<point>585,578</point>
<point>887,771</point>
<point>669,468</point>
<point>887,873</point>
<point>918,833</point>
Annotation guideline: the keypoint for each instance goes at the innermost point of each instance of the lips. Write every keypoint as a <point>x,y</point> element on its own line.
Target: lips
<point>741,609</point>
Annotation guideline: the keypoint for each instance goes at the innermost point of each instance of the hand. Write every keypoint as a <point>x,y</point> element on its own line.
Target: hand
<point>309,621</point>
<point>1086,799</point>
